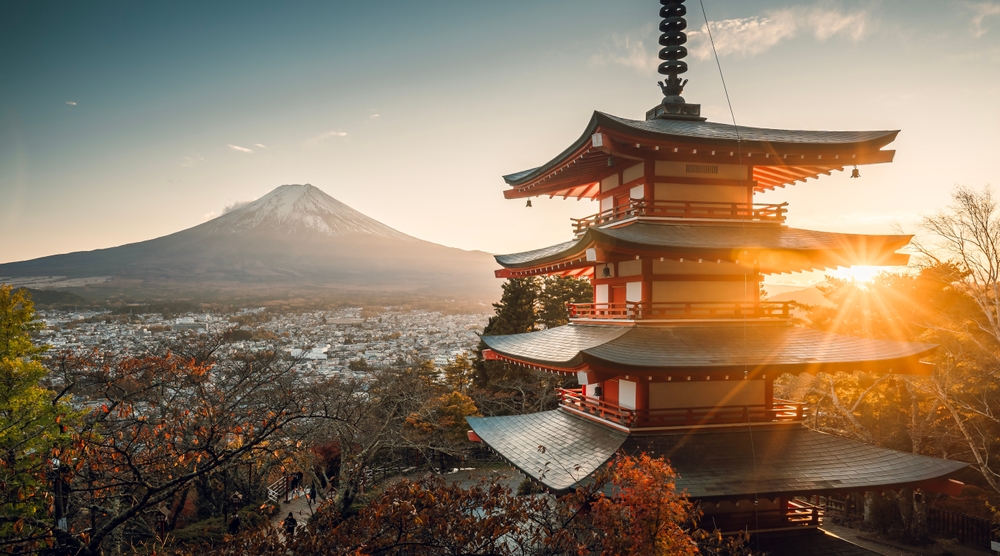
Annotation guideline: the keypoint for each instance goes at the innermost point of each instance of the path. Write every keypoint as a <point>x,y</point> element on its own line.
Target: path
<point>300,510</point>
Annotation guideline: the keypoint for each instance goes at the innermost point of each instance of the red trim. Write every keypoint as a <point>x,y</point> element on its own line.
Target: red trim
<point>490,355</point>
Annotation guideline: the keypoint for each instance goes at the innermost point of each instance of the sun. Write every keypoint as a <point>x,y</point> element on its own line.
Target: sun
<point>861,274</point>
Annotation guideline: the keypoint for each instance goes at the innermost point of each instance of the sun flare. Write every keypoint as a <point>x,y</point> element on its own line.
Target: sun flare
<point>862,274</point>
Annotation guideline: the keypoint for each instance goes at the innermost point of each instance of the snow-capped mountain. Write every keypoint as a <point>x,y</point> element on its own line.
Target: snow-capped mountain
<point>296,240</point>
<point>302,208</point>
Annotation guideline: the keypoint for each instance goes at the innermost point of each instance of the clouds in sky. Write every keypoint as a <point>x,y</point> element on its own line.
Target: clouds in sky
<point>240,149</point>
<point>324,136</point>
<point>748,36</point>
<point>981,11</point>
<point>71,102</point>
<point>234,206</point>
<point>259,145</point>
<point>190,161</point>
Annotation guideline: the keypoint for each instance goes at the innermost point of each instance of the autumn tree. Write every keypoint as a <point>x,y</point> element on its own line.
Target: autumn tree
<point>153,426</point>
<point>630,508</point>
<point>32,435</point>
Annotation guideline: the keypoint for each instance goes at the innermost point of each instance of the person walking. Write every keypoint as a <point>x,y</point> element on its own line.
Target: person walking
<point>234,525</point>
<point>290,525</point>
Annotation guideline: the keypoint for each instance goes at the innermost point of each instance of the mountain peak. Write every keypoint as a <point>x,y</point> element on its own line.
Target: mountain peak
<point>301,208</point>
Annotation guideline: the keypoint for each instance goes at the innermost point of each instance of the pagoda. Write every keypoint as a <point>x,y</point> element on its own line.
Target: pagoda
<point>677,354</point>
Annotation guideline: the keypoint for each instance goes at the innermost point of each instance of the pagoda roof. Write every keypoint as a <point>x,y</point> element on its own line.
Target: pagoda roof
<point>783,156</point>
<point>754,347</point>
<point>561,450</point>
<point>775,248</point>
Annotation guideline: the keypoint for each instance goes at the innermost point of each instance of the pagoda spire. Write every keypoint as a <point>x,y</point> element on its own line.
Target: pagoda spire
<point>673,52</point>
<point>672,40</point>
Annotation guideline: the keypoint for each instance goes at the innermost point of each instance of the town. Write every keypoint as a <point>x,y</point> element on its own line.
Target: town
<point>326,342</point>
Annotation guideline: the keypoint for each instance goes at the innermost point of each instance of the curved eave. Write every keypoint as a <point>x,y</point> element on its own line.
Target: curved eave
<point>770,249</point>
<point>561,451</point>
<point>755,348</point>
<point>779,461</point>
<point>783,156</point>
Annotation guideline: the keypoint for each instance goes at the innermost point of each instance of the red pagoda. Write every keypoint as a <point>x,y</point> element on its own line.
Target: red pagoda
<point>677,354</point>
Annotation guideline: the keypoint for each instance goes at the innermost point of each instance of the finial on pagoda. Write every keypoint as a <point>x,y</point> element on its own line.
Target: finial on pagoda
<point>673,53</point>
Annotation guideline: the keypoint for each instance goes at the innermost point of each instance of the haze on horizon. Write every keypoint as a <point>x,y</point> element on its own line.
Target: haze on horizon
<point>122,122</point>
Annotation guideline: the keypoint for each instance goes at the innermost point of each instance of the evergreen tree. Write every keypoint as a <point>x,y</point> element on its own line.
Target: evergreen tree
<point>516,312</point>
<point>556,292</point>
<point>517,309</point>
<point>31,432</point>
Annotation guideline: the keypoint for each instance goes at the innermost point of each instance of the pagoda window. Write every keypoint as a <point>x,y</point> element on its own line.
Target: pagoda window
<point>700,292</point>
<point>633,173</point>
<point>671,168</point>
<point>637,192</point>
<point>607,204</point>
<point>669,395</point>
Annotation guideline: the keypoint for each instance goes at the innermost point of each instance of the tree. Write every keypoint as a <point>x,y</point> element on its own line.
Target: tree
<point>155,426</point>
<point>439,425</point>
<point>516,312</point>
<point>556,293</point>
<point>501,388</point>
<point>630,508</point>
<point>32,436</point>
<point>459,373</point>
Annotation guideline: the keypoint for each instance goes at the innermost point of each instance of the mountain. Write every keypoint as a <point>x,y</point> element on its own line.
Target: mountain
<point>294,241</point>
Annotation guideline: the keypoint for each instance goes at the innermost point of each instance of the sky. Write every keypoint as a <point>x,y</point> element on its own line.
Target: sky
<point>123,121</point>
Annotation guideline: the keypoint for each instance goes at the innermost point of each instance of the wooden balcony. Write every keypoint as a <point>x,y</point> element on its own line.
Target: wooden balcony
<point>781,411</point>
<point>705,210</point>
<point>630,311</point>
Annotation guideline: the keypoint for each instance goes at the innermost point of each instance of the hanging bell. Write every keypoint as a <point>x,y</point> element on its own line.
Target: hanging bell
<point>855,173</point>
<point>611,161</point>
<point>529,204</point>
<point>606,272</point>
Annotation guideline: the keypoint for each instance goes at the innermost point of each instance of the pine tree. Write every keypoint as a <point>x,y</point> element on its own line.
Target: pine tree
<point>517,310</point>
<point>556,292</point>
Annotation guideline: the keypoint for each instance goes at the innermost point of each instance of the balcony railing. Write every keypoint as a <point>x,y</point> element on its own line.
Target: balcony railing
<point>631,311</point>
<point>711,210</point>
<point>797,514</point>
<point>781,411</point>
